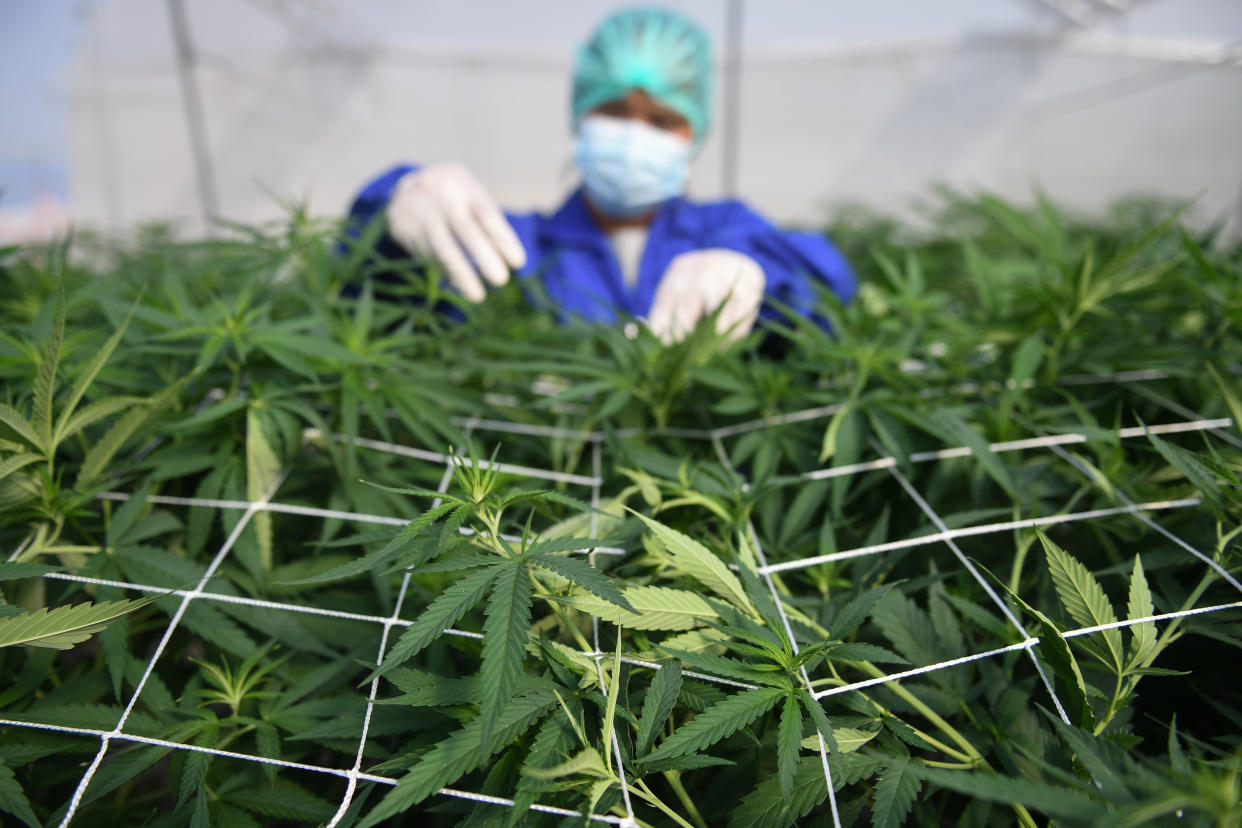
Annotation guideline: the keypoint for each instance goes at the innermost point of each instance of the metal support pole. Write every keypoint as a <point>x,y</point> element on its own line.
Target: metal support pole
<point>101,107</point>
<point>732,115</point>
<point>196,123</point>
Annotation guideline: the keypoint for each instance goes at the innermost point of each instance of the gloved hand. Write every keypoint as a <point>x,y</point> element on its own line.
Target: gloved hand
<point>696,283</point>
<point>443,212</point>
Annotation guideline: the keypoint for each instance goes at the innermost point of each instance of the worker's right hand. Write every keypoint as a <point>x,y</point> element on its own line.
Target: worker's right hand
<point>442,211</point>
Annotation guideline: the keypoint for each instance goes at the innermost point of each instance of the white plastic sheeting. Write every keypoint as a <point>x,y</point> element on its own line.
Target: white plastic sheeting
<point>840,102</point>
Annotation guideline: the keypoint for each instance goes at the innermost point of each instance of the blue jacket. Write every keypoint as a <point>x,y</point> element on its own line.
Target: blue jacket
<point>572,258</point>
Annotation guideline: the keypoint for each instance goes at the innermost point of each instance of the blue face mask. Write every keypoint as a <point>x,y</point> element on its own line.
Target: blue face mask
<point>629,167</point>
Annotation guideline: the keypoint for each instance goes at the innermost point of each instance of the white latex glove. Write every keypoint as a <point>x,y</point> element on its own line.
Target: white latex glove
<point>696,283</point>
<point>442,211</point>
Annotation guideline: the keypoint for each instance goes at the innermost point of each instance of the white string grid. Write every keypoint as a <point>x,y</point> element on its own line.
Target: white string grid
<point>723,454</point>
<point>352,784</point>
<point>355,773</point>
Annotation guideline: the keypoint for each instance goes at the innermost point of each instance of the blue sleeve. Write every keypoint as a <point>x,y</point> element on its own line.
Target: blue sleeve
<point>370,204</point>
<point>792,261</point>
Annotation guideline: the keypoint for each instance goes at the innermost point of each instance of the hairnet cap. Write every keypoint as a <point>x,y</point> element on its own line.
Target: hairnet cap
<point>652,49</point>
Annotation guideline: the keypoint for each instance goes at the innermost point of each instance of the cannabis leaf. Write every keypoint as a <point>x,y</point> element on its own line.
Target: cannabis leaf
<point>59,628</point>
<point>718,722</point>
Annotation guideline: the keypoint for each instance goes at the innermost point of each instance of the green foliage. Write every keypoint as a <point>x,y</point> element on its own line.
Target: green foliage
<point>574,608</point>
<point>62,627</point>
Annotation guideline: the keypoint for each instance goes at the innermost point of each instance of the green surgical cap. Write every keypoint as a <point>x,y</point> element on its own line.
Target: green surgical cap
<point>652,49</point>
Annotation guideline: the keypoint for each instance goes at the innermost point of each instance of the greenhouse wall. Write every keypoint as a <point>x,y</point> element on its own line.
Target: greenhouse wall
<point>837,103</point>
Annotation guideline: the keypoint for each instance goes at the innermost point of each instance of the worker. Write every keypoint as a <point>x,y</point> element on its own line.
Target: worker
<point>627,244</point>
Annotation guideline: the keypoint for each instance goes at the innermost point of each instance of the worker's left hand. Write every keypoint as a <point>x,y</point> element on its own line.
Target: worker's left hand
<point>696,283</point>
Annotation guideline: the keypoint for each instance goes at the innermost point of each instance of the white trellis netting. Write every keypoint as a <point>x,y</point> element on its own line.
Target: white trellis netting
<point>1054,444</point>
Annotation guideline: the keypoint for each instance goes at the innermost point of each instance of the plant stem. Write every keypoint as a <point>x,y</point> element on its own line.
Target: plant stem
<point>227,740</point>
<point>931,740</point>
<point>1024,816</point>
<point>640,789</point>
<point>674,781</point>
<point>931,715</point>
<point>558,610</point>
<point>1111,710</point>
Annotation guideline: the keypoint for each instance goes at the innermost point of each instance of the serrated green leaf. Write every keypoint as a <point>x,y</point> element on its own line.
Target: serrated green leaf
<point>201,817</point>
<point>552,741</point>
<point>443,612</point>
<point>267,741</point>
<point>907,626</point>
<point>823,727</point>
<point>124,766</point>
<point>379,557</point>
<point>153,565</point>
<point>849,739</point>
<point>17,462</point>
<point>457,754</point>
<point>697,561</point>
<point>213,625</point>
<point>262,469</point>
<point>610,710</point>
<point>1056,651</point>
<point>60,628</point>
<point>1094,755</point>
<point>1082,596</point>
<point>1059,655</point>
<point>114,645</point>
<point>126,515</point>
<point>227,816</point>
<point>658,705</point>
<point>193,774</point>
<point>646,485</point>
<point>788,740</point>
<point>1143,642</point>
<point>1199,475</point>
<point>655,608</point>
<point>586,762</point>
<point>14,570</point>
<point>944,622</point>
<point>807,503</point>
<point>693,761</point>
<point>1027,359</point>
<point>559,546</point>
<point>950,425</point>
<point>1055,801</point>
<point>1230,394</point>
<point>729,667</point>
<point>765,807</point>
<point>13,798</point>
<point>903,731</point>
<point>718,722</point>
<point>423,689</point>
<point>68,423</point>
<point>1177,758</point>
<point>20,426</point>
<point>282,800</point>
<point>894,795</point>
<point>583,575</point>
<point>93,413</point>
<point>505,632</point>
<point>101,453</point>
<point>45,382</point>
<point>158,522</point>
<point>855,612</point>
<point>832,432</point>
<point>865,652</point>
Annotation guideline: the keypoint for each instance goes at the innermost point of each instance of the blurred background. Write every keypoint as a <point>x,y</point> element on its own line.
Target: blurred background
<point>119,112</point>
